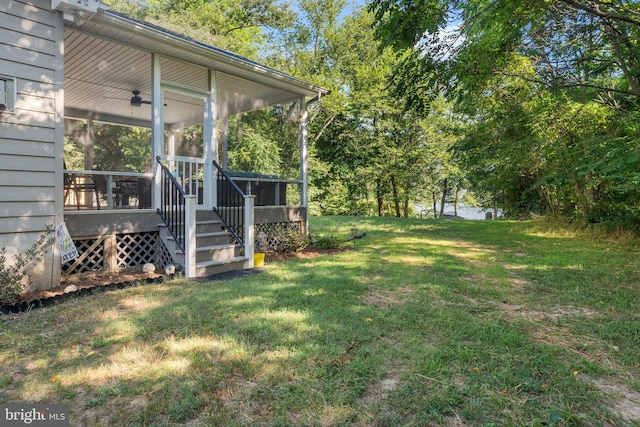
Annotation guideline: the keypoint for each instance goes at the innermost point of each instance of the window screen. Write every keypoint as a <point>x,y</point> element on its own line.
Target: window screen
<point>7,94</point>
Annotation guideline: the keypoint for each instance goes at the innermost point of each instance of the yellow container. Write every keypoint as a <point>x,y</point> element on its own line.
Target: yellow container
<point>258,259</point>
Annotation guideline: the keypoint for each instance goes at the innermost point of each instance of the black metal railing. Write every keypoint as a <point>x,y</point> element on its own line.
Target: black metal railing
<point>230,204</point>
<point>172,205</point>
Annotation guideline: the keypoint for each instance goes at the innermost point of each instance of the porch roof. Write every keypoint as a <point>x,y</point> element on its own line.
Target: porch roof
<point>110,55</point>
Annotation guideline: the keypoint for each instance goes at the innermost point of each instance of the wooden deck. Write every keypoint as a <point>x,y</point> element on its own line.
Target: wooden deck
<point>112,241</point>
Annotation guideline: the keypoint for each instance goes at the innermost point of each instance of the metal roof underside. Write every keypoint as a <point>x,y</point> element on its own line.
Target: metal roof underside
<point>109,56</point>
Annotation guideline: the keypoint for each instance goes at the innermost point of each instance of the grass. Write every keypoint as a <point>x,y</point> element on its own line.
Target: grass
<point>421,323</point>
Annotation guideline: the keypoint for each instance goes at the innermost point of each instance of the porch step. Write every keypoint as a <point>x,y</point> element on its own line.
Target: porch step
<point>207,239</point>
<point>202,227</point>
<point>213,238</point>
<point>222,266</point>
<point>215,252</point>
<point>208,226</point>
<point>206,216</point>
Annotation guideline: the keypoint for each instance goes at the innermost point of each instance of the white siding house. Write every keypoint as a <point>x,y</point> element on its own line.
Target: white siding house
<point>58,62</point>
<point>31,75</point>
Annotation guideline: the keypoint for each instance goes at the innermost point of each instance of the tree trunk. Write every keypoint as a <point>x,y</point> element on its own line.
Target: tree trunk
<point>621,59</point>
<point>553,205</point>
<point>406,207</point>
<point>504,201</point>
<point>445,190</point>
<point>396,199</point>
<point>455,202</point>
<point>435,209</point>
<point>380,197</point>
<point>582,193</point>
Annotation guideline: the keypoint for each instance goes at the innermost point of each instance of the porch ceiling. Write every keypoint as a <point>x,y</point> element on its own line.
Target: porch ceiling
<point>111,55</point>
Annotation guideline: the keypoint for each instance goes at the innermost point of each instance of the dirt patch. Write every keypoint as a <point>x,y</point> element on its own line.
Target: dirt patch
<point>627,405</point>
<point>377,393</point>
<point>389,384</point>
<point>383,298</point>
<point>557,314</point>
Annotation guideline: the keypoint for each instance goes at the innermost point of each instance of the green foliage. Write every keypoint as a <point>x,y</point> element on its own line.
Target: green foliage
<point>73,154</point>
<point>236,25</point>
<point>543,153</point>
<point>291,240</point>
<point>331,197</point>
<point>14,276</point>
<point>251,151</point>
<point>116,148</point>
<point>547,90</point>
<point>326,241</point>
<point>471,42</point>
<point>366,152</point>
<point>188,141</point>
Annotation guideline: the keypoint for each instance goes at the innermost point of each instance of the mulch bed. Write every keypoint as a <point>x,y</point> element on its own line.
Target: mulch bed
<point>89,283</point>
<point>85,285</point>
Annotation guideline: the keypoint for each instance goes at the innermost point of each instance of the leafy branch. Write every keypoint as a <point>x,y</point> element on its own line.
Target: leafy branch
<point>14,277</point>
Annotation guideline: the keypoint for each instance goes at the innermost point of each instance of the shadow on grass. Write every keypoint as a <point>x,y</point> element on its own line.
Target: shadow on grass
<point>409,327</point>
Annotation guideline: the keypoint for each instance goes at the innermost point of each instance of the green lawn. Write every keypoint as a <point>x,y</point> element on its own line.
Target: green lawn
<point>421,322</point>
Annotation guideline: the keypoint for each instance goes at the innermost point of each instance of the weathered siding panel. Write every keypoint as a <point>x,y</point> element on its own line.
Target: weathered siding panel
<point>25,148</point>
<point>19,179</point>
<point>43,119</point>
<point>26,194</point>
<point>19,27</point>
<point>29,209</point>
<point>18,132</point>
<point>27,56</point>
<point>30,138</point>
<point>15,226</point>
<point>27,71</point>
<point>27,163</point>
<point>36,11</point>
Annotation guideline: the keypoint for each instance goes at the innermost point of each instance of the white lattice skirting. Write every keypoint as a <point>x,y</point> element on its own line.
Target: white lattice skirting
<point>117,252</point>
<point>268,235</point>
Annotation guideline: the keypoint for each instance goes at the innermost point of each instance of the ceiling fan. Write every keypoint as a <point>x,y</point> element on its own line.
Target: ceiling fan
<point>136,99</point>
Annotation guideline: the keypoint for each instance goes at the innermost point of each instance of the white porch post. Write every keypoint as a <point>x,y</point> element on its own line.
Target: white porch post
<point>210,141</point>
<point>304,154</point>
<point>225,142</point>
<point>249,233</point>
<point>172,149</point>
<point>157,129</point>
<point>191,202</point>
<point>88,141</point>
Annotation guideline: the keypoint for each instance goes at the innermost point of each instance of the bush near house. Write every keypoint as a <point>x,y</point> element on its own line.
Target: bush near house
<point>14,276</point>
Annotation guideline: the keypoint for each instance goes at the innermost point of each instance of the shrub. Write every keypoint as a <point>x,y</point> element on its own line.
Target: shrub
<point>326,241</point>
<point>292,240</point>
<point>14,277</point>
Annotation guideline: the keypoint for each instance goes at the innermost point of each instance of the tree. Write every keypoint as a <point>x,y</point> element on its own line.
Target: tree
<point>548,89</point>
<point>236,25</point>
<point>574,43</point>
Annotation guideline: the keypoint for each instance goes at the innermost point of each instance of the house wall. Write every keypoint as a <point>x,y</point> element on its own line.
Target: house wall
<point>31,41</point>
